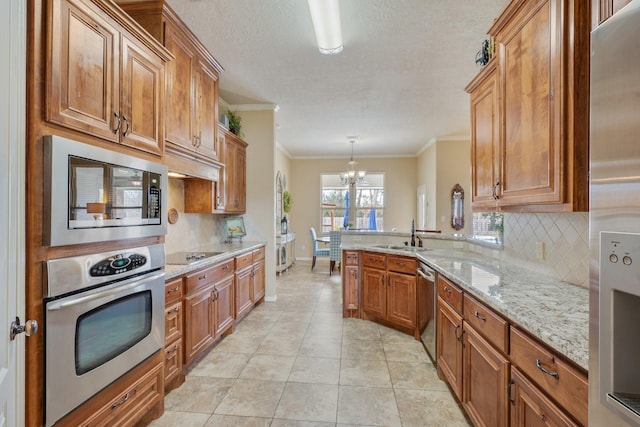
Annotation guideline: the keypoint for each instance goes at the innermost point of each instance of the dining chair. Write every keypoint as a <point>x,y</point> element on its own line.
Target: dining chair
<point>335,249</point>
<point>314,246</point>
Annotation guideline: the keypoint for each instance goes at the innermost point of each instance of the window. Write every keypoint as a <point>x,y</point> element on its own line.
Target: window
<point>488,226</point>
<point>356,206</point>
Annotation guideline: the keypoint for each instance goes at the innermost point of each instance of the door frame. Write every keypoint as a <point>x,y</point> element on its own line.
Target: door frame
<point>13,132</point>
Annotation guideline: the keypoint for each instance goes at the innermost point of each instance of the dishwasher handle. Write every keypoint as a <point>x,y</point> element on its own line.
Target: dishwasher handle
<point>426,273</point>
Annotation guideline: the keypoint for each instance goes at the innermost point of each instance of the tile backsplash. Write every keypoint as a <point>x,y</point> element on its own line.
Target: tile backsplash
<point>565,237</point>
<point>191,231</point>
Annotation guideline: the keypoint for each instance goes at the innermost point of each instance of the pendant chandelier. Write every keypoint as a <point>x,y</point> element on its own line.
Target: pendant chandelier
<point>352,176</point>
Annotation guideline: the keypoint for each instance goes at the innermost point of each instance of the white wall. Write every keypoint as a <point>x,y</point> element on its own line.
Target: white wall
<point>258,128</point>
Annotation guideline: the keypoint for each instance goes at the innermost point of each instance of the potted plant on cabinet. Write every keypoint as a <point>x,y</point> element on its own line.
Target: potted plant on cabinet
<point>235,124</point>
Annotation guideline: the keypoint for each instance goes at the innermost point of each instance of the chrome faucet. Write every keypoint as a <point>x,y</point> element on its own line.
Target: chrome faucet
<point>419,241</point>
<point>413,233</point>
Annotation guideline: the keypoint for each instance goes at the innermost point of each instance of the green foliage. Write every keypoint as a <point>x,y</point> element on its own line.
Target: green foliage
<point>235,124</point>
<point>286,201</point>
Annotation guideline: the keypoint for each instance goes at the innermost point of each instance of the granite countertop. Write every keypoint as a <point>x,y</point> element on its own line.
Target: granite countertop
<point>556,312</point>
<point>227,250</point>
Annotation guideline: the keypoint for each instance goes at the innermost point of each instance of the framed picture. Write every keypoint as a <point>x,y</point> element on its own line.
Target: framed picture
<point>234,227</point>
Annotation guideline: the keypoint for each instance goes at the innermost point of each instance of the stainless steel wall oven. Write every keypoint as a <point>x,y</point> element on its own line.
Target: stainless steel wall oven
<point>104,314</point>
<point>95,194</point>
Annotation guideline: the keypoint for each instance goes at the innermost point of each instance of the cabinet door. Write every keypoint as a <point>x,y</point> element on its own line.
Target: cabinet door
<point>172,361</point>
<point>83,69</point>
<point>402,300</point>
<point>531,408</point>
<point>240,183</point>
<point>231,199</point>
<point>179,89</point>
<point>220,185</point>
<point>350,295</point>
<point>198,325</point>
<point>258,280</point>
<point>374,292</point>
<point>141,98</point>
<point>244,289</point>
<point>207,110</point>
<point>449,346</point>
<point>224,305</point>
<point>485,140</point>
<point>486,377</point>
<point>173,322</point>
<point>531,106</point>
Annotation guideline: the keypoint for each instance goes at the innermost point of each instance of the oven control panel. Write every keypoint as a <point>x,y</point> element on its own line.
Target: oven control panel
<point>117,264</point>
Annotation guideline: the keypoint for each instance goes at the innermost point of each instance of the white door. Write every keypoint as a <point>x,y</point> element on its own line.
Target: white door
<point>12,196</point>
<point>421,204</point>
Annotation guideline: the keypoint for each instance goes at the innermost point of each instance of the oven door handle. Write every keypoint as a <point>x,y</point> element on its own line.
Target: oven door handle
<point>132,283</point>
<point>426,273</point>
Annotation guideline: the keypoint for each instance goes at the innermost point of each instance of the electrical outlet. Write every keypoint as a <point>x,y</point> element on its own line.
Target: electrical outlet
<point>540,251</point>
<point>443,219</point>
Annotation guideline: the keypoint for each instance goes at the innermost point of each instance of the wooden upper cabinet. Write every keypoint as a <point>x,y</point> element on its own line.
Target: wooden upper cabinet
<point>191,88</point>
<point>141,98</point>
<point>179,89</point>
<point>235,182</point>
<point>103,77</point>
<point>83,73</point>
<point>485,128</point>
<point>543,110</point>
<point>604,9</point>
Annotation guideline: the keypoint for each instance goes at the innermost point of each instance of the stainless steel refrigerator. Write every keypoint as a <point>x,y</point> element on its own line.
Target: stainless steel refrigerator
<point>614,230</point>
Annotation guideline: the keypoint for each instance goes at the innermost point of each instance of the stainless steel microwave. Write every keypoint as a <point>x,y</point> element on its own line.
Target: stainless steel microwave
<point>97,195</point>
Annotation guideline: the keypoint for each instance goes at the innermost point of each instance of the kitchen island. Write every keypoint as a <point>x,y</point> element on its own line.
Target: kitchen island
<point>510,340</point>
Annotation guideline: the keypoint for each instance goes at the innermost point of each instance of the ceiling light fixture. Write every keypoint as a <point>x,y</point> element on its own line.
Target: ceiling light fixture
<point>352,176</point>
<point>325,15</point>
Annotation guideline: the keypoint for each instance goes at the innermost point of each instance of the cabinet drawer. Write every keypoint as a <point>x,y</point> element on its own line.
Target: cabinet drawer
<point>493,327</point>
<point>243,260</point>
<point>173,291</point>
<point>350,258</point>
<point>204,277</point>
<point>133,403</point>
<point>172,360</point>
<point>173,321</point>
<point>401,264</point>
<point>258,254</point>
<point>451,293</point>
<point>562,382</point>
<point>375,260</point>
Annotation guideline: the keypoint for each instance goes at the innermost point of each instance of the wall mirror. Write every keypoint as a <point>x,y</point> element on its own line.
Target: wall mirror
<point>457,207</point>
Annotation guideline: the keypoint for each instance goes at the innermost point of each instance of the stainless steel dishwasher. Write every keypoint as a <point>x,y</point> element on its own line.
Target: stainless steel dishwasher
<point>427,279</point>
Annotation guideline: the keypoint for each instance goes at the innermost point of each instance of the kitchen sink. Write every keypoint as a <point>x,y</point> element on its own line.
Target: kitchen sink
<point>402,248</point>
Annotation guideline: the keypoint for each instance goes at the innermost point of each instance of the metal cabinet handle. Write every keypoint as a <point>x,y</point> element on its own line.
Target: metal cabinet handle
<point>455,332</point>
<point>479,316</point>
<point>176,289</point>
<point>204,276</point>
<point>447,290</point>
<point>124,399</point>
<point>542,368</point>
<point>172,350</point>
<point>495,190</point>
<point>173,310</point>
<point>115,131</point>
<point>226,267</point>
<point>127,128</point>
<point>511,383</point>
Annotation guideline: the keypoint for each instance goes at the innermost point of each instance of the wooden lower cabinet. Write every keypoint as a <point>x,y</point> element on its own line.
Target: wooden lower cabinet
<point>224,306</point>
<point>198,325</point>
<point>485,380</point>
<point>402,300</point>
<point>350,284</point>
<point>173,327</point>
<point>449,346</point>
<point>374,292</point>
<point>244,285</point>
<point>136,397</point>
<point>531,408</point>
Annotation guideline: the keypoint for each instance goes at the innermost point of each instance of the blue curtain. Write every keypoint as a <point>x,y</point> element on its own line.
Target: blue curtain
<point>372,219</point>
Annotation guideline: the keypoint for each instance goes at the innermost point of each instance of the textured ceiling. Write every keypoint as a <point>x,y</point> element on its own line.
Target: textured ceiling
<point>398,83</point>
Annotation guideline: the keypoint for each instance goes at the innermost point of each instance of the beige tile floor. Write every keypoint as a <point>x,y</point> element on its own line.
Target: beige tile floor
<point>297,362</point>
